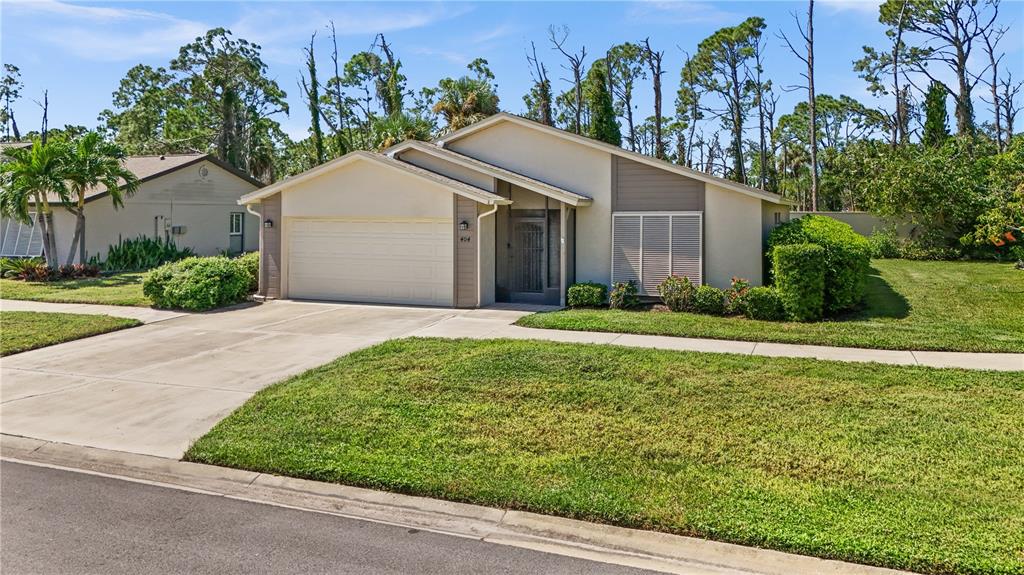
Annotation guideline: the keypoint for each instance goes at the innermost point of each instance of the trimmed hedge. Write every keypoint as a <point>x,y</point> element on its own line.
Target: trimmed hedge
<point>677,293</point>
<point>251,263</point>
<point>198,284</point>
<point>800,279</point>
<point>709,300</point>
<point>586,294</point>
<point>763,303</point>
<point>847,256</point>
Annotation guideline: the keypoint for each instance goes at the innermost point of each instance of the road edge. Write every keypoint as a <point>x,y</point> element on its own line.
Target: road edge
<point>596,542</point>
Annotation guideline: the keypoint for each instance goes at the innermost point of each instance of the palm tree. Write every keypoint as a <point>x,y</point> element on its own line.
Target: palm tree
<point>464,101</point>
<point>91,161</point>
<point>34,176</point>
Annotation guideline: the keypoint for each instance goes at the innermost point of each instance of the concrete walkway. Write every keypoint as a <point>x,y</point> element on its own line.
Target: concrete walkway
<point>497,323</point>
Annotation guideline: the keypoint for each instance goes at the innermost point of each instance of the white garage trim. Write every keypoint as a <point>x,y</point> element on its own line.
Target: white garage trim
<point>373,260</point>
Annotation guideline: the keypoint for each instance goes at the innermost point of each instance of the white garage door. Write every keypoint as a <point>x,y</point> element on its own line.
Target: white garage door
<point>378,261</point>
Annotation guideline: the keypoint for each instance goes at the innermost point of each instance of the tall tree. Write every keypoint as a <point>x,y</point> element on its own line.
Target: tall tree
<point>31,178</point>
<point>949,29</point>
<point>762,94</point>
<point>936,124</point>
<point>468,99</point>
<point>625,67</point>
<point>558,37</point>
<point>603,125</point>
<point>720,66</point>
<point>10,91</point>
<point>92,162</point>
<point>653,59</point>
<point>228,78</point>
<point>992,36</point>
<point>807,57</point>
<point>538,101</point>
<point>688,107</point>
<point>311,92</point>
<point>151,116</point>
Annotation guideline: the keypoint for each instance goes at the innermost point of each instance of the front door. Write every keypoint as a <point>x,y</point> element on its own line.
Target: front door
<point>527,259</point>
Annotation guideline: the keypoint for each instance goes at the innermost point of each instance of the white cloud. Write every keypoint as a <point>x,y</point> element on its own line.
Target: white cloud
<point>678,12</point>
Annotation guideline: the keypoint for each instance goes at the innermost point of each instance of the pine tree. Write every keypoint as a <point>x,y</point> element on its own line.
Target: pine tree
<point>603,125</point>
<point>936,121</point>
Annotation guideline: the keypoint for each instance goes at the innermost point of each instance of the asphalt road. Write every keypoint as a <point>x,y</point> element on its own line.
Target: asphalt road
<point>55,521</point>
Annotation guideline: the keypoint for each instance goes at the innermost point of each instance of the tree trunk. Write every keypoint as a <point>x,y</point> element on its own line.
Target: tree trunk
<point>75,240</point>
<point>811,108</point>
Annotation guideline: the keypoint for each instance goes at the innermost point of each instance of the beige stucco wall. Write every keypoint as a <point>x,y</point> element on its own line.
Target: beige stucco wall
<point>568,165</point>
<point>732,237</point>
<point>768,211</point>
<point>183,198</point>
<point>444,167</point>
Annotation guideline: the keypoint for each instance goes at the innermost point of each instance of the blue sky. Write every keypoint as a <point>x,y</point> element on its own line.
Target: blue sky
<point>79,51</point>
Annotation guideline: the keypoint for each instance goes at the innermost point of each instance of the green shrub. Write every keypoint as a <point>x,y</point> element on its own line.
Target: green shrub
<point>251,263</point>
<point>764,303</point>
<point>141,253</point>
<point>677,293</point>
<point>18,267</point>
<point>198,284</point>
<point>885,245</point>
<point>586,294</point>
<point>736,296</point>
<point>847,257</point>
<point>624,295</point>
<point>709,300</point>
<point>800,279</point>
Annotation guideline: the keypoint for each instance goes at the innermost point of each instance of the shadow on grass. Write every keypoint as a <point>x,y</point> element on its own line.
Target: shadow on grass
<point>880,301</point>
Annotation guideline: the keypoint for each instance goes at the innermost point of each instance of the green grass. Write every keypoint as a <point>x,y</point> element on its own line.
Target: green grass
<point>120,289</point>
<point>949,306</point>
<point>904,467</point>
<point>25,330</point>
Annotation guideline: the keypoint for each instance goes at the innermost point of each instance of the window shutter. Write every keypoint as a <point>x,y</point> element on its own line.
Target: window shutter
<point>686,247</point>
<point>626,238</point>
<point>656,253</point>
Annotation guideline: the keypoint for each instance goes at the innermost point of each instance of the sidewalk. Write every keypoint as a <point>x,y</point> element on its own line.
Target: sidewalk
<point>497,323</point>
<point>596,542</point>
<point>143,314</point>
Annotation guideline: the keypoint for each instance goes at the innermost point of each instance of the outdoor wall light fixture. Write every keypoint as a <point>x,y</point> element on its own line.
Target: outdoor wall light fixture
<point>268,223</point>
<point>463,225</point>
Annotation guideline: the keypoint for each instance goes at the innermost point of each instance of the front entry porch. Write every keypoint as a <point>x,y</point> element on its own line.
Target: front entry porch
<point>534,248</point>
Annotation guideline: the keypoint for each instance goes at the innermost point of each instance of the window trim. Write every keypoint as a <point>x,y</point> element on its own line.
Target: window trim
<point>241,223</point>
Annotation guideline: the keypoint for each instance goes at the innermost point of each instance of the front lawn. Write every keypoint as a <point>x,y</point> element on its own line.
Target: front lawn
<point>905,467</point>
<point>25,330</point>
<point>120,289</point>
<point>916,305</point>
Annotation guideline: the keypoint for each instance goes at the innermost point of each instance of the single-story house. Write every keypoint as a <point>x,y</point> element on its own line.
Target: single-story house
<point>190,198</point>
<point>504,210</point>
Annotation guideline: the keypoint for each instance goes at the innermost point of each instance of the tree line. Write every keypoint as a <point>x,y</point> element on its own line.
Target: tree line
<point>827,153</point>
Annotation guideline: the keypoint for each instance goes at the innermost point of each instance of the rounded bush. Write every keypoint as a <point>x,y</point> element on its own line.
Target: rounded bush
<point>847,256</point>
<point>763,303</point>
<point>198,284</point>
<point>586,294</point>
<point>709,300</point>
<point>677,293</point>
<point>800,279</point>
<point>624,295</point>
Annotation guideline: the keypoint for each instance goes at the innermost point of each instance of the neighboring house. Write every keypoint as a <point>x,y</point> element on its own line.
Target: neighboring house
<point>505,210</point>
<point>189,198</point>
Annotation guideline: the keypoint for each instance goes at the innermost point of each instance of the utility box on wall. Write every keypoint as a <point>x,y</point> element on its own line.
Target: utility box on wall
<point>178,230</point>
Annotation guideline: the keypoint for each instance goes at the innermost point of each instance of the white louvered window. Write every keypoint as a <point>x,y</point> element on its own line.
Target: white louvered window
<point>20,240</point>
<point>648,247</point>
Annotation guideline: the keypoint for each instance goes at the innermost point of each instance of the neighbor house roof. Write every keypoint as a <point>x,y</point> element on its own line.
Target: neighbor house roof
<point>616,150</point>
<point>543,188</point>
<point>460,188</point>
<point>14,145</point>
<point>148,168</point>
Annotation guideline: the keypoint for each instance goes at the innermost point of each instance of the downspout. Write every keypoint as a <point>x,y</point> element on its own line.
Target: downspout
<point>479,257</point>
<point>261,285</point>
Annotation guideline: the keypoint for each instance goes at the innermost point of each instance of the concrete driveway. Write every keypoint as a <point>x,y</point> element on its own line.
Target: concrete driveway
<point>156,388</point>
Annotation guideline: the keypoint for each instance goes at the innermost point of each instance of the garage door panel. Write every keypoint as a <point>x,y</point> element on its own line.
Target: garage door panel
<point>386,261</point>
